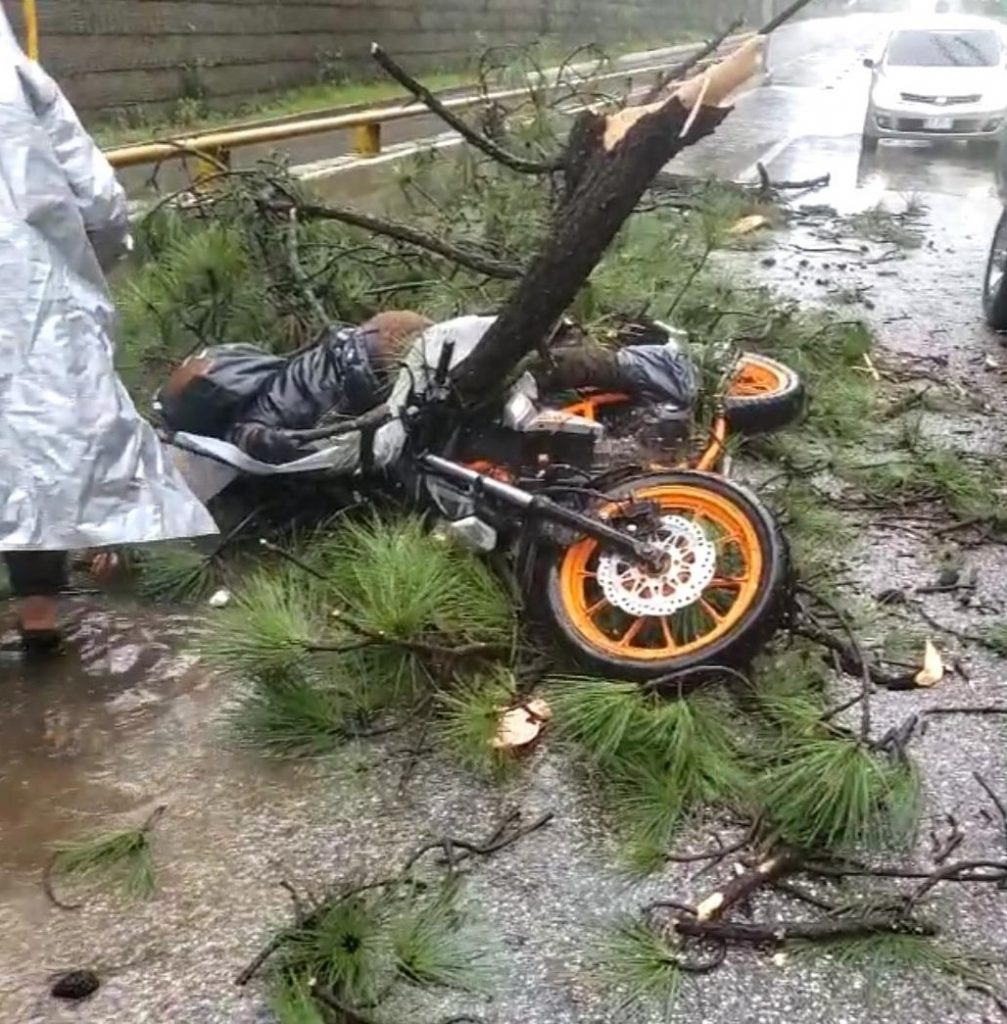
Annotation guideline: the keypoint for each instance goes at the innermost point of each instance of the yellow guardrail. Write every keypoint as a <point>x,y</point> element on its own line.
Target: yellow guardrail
<point>215,146</point>
<point>30,11</point>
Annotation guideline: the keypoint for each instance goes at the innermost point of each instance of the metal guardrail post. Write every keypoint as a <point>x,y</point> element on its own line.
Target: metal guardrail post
<point>209,165</point>
<point>30,9</point>
<point>367,139</point>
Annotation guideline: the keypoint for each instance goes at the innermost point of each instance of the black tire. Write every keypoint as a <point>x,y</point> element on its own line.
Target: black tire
<point>741,641</point>
<point>763,413</point>
<point>995,279</point>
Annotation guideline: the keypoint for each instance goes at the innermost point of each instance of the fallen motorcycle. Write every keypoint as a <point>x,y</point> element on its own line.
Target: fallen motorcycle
<point>645,570</point>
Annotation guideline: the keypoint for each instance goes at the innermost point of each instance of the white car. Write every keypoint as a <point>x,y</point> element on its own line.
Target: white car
<point>943,78</point>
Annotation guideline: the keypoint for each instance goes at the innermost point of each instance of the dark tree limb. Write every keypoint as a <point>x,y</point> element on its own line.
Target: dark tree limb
<point>450,118</point>
<point>610,162</point>
<point>776,933</point>
<point>462,255</point>
<point>740,888</point>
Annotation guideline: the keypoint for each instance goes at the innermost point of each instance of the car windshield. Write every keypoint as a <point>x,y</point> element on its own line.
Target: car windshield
<point>921,48</point>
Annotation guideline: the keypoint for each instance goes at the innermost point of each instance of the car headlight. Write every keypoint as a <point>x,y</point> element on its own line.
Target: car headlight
<point>995,99</point>
<point>885,94</point>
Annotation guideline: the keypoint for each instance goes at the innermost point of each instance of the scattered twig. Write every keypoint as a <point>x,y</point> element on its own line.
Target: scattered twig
<point>955,839</point>
<point>997,802</point>
<point>953,873</point>
<point>860,656</point>
<point>965,709</point>
<point>504,836</point>
<point>721,851</point>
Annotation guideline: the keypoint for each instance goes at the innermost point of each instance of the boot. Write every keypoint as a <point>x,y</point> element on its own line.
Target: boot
<point>39,623</point>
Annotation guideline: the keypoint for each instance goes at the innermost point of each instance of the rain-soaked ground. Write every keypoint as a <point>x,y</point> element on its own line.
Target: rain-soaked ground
<point>132,721</point>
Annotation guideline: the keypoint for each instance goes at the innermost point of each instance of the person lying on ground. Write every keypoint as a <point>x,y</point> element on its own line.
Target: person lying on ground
<point>79,469</point>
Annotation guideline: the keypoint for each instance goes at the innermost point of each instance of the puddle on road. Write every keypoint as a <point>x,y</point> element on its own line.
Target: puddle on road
<point>63,716</point>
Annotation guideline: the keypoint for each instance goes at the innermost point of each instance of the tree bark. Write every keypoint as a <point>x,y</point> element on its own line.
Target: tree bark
<point>609,162</point>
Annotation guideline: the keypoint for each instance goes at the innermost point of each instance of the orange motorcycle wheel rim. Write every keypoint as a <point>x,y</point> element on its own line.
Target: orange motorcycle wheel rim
<point>723,603</point>
<point>755,378</point>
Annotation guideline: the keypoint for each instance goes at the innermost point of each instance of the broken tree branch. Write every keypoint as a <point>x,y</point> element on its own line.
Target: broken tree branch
<point>466,131</point>
<point>610,163</point>
<point>679,71</point>
<point>463,256</point>
<point>776,933</point>
<point>741,887</point>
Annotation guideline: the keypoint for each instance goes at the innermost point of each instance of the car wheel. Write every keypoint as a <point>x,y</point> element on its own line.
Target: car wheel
<point>995,281</point>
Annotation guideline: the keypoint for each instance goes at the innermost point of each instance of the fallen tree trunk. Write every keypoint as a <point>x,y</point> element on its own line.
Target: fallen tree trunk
<point>609,162</point>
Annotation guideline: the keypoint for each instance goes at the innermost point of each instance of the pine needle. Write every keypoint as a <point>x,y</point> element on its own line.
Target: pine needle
<point>432,947</point>
<point>267,631</point>
<point>304,716</point>
<point>292,1003</point>
<point>347,949</point>
<point>396,579</point>
<point>642,964</point>
<point>468,720</point>
<point>884,953</point>
<point>119,857</point>
<point>177,574</point>
<point>829,792</point>
<point>660,758</point>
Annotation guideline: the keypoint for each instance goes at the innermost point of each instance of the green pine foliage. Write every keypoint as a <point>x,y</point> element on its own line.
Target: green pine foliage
<point>828,791</point>
<point>468,720</point>
<point>119,858</point>
<point>643,967</point>
<point>660,758</point>
<point>362,946</point>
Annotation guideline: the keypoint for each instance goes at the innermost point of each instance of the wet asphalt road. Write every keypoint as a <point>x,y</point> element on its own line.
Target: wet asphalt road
<point>133,722</point>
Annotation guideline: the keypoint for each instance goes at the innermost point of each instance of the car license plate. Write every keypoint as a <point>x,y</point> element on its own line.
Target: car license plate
<point>939,124</point>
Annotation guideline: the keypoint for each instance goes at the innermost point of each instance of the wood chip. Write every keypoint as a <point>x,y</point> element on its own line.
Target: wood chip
<point>933,667</point>
<point>746,225</point>
<point>520,726</point>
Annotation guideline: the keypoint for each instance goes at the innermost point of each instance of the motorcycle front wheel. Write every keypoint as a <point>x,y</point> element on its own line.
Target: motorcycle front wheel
<point>718,596</point>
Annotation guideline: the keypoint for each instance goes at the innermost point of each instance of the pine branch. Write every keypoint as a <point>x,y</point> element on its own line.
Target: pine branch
<point>469,134</point>
<point>463,256</point>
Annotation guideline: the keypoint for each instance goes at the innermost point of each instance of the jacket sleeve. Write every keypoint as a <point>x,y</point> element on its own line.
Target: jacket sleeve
<point>100,198</point>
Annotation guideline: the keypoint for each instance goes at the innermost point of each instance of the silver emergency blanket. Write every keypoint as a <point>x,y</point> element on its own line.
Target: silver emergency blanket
<point>79,468</point>
<point>341,455</point>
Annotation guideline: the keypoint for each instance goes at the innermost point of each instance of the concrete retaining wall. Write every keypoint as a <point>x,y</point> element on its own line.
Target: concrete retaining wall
<point>115,54</point>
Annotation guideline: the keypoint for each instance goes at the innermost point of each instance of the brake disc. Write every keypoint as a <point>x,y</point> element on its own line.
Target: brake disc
<point>690,563</point>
